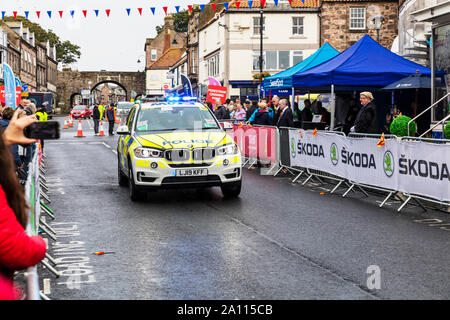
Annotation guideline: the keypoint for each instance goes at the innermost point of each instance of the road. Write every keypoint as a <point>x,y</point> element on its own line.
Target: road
<point>277,241</point>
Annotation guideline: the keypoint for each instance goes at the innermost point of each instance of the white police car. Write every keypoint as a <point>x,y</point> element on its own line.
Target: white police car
<point>176,144</point>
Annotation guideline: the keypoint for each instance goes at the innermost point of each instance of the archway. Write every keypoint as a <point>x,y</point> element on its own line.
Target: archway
<point>74,99</point>
<point>106,96</point>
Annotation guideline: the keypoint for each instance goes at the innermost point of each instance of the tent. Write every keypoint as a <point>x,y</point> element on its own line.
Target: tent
<point>366,63</point>
<point>283,79</point>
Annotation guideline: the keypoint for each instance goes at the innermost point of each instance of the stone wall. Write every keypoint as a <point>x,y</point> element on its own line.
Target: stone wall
<point>335,27</point>
<point>72,82</point>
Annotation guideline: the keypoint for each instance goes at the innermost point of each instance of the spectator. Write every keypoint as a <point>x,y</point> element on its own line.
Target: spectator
<point>7,115</point>
<point>366,120</point>
<point>286,119</point>
<point>261,117</point>
<point>297,113</point>
<point>247,105</point>
<point>324,113</point>
<point>239,113</point>
<point>306,112</point>
<point>17,250</point>
<point>210,106</point>
<point>111,116</point>
<point>251,110</point>
<point>275,105</point>
<point>221,111</point>
<point>96,118</point>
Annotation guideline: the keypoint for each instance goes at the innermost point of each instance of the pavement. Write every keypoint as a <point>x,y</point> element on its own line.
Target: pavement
<point>278,240</point>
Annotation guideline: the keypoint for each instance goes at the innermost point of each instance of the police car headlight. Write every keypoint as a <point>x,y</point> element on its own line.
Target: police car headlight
<point>148,153</point>
<point>228,149</point>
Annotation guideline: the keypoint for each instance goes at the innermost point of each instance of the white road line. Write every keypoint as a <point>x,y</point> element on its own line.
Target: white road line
<point>114,151</point>
<point>106,145</point>
<point>47,288</point>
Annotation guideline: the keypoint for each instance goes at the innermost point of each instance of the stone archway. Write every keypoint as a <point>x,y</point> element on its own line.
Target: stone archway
<point>72,97</point>
<point>113,82</point>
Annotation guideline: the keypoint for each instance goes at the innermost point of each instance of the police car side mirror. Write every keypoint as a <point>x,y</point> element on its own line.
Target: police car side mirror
<point>123,130</point>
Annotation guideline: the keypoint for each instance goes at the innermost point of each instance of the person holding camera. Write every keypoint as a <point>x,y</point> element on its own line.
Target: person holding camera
<point>17,249</point>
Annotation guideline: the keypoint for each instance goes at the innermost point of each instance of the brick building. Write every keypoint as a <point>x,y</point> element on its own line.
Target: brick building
<point>41,68</point>
<point>343,22</point>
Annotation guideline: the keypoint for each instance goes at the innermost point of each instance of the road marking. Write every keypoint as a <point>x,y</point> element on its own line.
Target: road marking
<point>47,288</point>
<point>106,145</point>
<point>114,151</point>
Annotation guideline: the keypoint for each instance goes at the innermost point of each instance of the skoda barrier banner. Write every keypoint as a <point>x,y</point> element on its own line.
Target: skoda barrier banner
<point>256,142</point>
<point>412,167</point>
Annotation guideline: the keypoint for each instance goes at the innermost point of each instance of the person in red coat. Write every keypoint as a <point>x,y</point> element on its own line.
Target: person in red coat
<point>17,249</point>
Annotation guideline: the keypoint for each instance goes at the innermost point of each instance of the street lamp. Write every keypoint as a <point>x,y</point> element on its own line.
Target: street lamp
<point>378,21</point>
<point>139,59</point>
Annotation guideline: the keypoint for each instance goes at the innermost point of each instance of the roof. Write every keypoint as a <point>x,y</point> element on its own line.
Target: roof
<point>168,59</point>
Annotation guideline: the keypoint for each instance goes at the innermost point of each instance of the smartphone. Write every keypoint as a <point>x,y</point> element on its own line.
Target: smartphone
<point>47,130</point>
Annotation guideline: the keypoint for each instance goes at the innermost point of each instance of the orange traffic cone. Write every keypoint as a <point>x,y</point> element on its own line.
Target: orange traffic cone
<point>80,130</point>
<point>70,122</point>
<point>65,124</point>
<point>102,133</point>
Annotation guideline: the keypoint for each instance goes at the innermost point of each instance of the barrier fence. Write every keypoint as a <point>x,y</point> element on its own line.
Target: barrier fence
<point>405,169</point>
<point>36,198</point>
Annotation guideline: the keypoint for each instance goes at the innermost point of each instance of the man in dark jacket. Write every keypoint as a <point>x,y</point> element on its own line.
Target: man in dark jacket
<point>222,113</point>
<point>285,118</point>
<point>366,120</point>
<point>111,116</point>
<point>307,112</point>
<point>96,118</point>
<point>252,109</point>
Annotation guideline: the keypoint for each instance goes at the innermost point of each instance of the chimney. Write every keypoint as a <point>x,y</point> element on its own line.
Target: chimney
<point>166,40</point>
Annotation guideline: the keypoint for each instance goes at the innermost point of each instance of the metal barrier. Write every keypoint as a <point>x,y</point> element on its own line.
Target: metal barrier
<point>415,197</point>
<point>36,223</point>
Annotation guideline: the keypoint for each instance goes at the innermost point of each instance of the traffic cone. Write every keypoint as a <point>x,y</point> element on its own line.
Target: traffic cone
<point>102,133</point>
<point>65,124</point>
<point>80,130</point>
<point>70,121</point>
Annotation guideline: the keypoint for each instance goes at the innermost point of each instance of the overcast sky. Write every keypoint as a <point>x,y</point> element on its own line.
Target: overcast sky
<point>115,43</point>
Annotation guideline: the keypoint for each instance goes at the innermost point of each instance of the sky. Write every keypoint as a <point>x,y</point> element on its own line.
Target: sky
<point>113,43</point>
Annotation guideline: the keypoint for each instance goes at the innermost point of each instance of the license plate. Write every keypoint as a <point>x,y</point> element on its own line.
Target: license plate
<point>191,172</point>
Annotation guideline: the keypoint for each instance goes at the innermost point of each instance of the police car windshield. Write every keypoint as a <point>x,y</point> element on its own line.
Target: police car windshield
<point>174,117</point>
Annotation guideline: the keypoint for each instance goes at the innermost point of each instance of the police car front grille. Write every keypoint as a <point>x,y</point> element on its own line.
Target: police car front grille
<point>177,155</point>
<point>203,154</point>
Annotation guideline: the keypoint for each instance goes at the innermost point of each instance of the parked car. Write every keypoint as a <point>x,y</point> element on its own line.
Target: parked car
<point>81,112</point>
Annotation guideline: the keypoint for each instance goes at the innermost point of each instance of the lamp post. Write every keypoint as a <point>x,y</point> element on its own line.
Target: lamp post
<point>261,60</point>
<point>139,60</point>
<point>378,21</point>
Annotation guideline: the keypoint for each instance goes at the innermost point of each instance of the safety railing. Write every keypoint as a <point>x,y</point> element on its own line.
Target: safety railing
<point>37,199</point>
<point>426,110</point>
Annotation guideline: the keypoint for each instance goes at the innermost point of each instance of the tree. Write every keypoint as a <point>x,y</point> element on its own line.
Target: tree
<point>180,22</point>
<point>66,52</point>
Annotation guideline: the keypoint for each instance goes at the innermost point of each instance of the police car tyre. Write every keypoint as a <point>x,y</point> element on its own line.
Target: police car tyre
<point>231,190</point>
<point>122,178</point>
<point>135,193</point>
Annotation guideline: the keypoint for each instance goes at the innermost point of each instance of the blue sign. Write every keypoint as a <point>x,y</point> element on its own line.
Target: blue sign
<point>10,86</point>
<point>187,87</point>
<point>18,82</point>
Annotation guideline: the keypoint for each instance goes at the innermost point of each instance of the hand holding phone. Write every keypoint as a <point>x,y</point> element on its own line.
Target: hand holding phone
<point>47,130</point>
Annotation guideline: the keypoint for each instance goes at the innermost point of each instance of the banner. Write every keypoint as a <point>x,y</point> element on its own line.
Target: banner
<point>256,142</point>
<point>216,92</point>
<point>407,166</point>
<point>10,86</point>
<point>18,95</point>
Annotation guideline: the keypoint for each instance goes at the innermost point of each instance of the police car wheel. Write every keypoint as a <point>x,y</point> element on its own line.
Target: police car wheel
<point>123,181</point>
<point>135,193</point>
<point>231,190</point>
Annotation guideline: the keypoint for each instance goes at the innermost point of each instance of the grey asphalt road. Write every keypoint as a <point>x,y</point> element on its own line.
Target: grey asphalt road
<point>277,241</point>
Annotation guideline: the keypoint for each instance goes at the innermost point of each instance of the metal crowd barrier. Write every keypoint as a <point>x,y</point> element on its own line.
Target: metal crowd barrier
<point>416,197</point>
<point>34,186</point>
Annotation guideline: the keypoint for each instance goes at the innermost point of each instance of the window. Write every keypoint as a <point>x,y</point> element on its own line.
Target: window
<point>277,60</point>
<point>257,26</point>
<point>153,55</point>
<point>297,57</point>
<point>357,18</point>
<point>297,26</point>
<point>213,66</point>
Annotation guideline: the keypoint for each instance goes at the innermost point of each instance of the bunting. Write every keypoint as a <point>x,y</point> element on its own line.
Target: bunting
<point>3,14</point>
<point>226,4</point>
<point>96,13</point>
<point>177,8</point>
<point>276,3</point>
<point>26,14</point>
<point>213,5</point>
<point>72,13</point>
<point>140,11</point>
<point>165,10</point>
<point>15,14</point>
<point>60,13</point>
<point>202,7</point>
<point>153,10</point>
<point>49,14</point>
<point>108,11</point>
<point>250,4</point>
<point>238,4</point>
<point>128,11</point>
<point>263,3</point>
<point>38,13</point>
<point>85,13</point>
<point>190,8</point>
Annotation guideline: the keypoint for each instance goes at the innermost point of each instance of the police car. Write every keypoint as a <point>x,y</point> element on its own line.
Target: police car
<point>176,144</point>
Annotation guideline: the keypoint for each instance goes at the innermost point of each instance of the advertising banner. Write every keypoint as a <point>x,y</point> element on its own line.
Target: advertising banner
<point>18,95</point>
<point>10,86</point>
<point>216,92</point>
<point>406,166</point>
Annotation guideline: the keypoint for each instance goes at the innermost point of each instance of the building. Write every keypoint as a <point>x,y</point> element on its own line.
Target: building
<point>3,51</point>
<point>13,48</point>
<point>229,43</point>
<point>158,79</point>
<point>192,49</point>
<point>41,69</point>
<point>344,22</point>
<point>52,69</point>
<point>156,47</point>
<point>180,67</point>
<point>437,13</point>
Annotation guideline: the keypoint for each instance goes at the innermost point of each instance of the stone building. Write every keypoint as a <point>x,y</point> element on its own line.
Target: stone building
<point>52,69</point>
<point>41,69</point>
<point>192,54</point>
<point>166,39</point>
<point>343,22</point>
<point>13,48</point>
